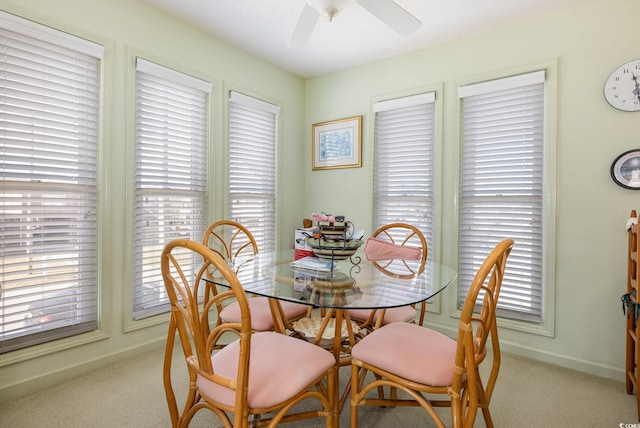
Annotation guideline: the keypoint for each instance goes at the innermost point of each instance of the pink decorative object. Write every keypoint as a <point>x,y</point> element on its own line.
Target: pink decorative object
<point>376,249</point>
<point>323,217</point>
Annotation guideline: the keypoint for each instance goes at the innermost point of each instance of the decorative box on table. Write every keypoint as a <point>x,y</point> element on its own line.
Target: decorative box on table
<point>301,247</point>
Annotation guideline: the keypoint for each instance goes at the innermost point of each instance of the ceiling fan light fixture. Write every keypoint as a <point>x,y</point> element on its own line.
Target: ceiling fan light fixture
<point>330,12</point>
<point>387,11</point>
<point>331,8</point>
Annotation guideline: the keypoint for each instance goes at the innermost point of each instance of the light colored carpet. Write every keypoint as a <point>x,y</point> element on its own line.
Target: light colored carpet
<point>130,394</point>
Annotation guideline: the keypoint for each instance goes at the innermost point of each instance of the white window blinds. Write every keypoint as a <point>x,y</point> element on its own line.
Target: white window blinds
<point>170,173</point>
<point>404,162</point>
<point>252,167</point>
<point>48,185</point>
<point>501,187</point>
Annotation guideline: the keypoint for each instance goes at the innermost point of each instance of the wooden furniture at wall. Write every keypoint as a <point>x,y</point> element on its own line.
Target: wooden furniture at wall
<point>633,328</point>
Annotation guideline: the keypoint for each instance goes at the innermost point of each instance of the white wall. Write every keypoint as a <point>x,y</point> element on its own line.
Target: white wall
<point>588,42</point>
<point>129,28</point>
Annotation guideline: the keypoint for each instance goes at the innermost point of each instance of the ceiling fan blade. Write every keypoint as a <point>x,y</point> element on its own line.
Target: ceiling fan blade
<point>393,15</point>
<point>304,27</point>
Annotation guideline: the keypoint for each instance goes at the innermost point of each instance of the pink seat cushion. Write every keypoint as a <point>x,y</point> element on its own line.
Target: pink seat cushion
<point>292,309</point>
<point>280,367</point>
<point>377,249</point>
<point>411,351</point>
<point>401,314</point>
<point>261,319</point>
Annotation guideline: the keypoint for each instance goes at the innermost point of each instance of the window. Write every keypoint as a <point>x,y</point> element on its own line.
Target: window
<point>252,167</point>
<point>48,185</point>
<point>502,186</point>
<point>404,162</point>
<point>170,173</point>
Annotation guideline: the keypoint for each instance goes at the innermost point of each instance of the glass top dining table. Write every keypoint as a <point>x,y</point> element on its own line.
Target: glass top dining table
<point>351,283</point>
<point>336,286</point>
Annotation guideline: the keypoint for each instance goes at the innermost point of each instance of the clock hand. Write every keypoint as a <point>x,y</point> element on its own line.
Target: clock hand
<point>636,91</point>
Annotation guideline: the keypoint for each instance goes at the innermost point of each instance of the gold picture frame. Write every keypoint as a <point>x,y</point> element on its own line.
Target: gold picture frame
<point>337,144</point>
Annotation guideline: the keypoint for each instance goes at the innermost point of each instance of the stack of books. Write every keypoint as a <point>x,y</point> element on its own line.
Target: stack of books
<point>313,263</point>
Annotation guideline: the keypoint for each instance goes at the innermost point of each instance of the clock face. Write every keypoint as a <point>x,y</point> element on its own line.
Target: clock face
<point>622,89</point>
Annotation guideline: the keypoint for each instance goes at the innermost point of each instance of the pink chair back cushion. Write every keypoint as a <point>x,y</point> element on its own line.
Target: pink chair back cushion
<point>377,249</point>
<point>411,351</point>
<point>279,368</point>
<point>261,319</point>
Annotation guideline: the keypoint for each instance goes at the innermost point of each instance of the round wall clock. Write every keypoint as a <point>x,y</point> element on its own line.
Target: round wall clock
<point>625,170</point>
<point>622,89</point>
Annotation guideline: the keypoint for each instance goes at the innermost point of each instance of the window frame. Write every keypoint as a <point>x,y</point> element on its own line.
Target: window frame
<point>75,39</point>
<point>546,327</point>
<point>265,105</point>
<point>131,323</point>
<point>435,250</point>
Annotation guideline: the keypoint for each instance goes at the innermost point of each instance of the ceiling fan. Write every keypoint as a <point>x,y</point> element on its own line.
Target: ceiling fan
<point>388,11</point>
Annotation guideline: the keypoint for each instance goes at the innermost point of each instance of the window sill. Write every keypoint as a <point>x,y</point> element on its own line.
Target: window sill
<point>36,351</point>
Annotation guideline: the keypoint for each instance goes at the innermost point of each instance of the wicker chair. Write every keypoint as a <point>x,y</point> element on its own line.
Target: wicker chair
<point>233,242</point>
<point>419,361</point>
<point>258,374</point>
<point>395,235</point>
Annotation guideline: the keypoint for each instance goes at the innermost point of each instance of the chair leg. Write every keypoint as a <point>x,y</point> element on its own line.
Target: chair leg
<point>332,391</point>
<point>456,412</point>
<point>483,403</point>
<point>487,417</point>
<point>380,388</point>
<point>355,389</point>
<point>168,358</point>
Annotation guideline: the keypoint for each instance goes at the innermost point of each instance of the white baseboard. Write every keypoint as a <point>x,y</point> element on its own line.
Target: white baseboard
<point>567,361</point>
<point>562,360</point>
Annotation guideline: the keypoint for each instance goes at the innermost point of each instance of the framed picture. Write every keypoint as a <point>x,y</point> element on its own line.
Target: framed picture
<point>625,170</point>
<point>337,144</point>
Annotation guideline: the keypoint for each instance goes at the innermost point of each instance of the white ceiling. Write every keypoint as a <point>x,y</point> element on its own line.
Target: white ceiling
<point>355,37</point>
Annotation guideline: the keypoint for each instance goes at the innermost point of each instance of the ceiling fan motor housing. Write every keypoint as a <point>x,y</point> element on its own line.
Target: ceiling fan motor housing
<point>387,11</point>
<point>331,8</point>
